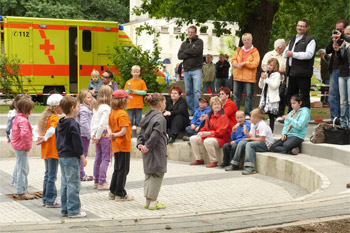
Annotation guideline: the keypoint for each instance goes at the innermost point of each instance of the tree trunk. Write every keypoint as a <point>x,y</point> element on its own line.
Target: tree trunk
<point>259,24</point>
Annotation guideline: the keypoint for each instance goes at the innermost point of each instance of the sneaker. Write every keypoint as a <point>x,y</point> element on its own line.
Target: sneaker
<point>231,168</point>
<point>87,178</point>
<point>186,138</point>
<point>247,117</point>
<point>197,162</point>
<point>56,204</point>
<point>249,171</point>
<point>223,165</point>
<point>25,196</point>
<point>125,198</point>
<point>80,215</point>
<point>64,215</point>
<point>104,186</point>
<point>95,185</point>
<point>279,119</point>
<point>213,164</point>
<point>43,204</point>
<point>295,151</point>
<point>171,140</point>
<point>158,206</point>
<point>111,196</point>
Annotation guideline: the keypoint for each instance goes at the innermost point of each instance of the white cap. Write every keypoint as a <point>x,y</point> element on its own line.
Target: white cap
<point>54,100</point>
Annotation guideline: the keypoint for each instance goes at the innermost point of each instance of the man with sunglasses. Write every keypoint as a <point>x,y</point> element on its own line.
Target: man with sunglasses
<point>107,77</point>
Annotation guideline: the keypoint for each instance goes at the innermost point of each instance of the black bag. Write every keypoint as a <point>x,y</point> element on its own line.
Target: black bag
<point>230,80</point>
<point>337,135</point>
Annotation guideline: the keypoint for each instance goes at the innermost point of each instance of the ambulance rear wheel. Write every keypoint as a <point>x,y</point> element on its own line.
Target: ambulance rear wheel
<point>51,90</point>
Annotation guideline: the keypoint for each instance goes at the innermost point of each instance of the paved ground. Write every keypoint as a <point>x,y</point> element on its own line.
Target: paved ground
<point>186,190</point>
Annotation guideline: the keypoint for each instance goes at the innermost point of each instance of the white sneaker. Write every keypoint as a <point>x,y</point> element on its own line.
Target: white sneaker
<point>279,119</point>
<point>247,117</point>
<point>80,215</point>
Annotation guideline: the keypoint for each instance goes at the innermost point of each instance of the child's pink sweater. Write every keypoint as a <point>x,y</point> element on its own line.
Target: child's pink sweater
<point>21,133</point>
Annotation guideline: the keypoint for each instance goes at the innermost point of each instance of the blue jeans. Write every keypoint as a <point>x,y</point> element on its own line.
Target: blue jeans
<point>334,98</point>
<point>193,85</point>
<point>135,115</point>
<point>22,171</point>
<point>344,90</point>
<point>249,147</point>
<point>14,175</point>
<point>70,185</point>
<point>286,146</point>
<point>49,186</point>
<point>248,90</point>
<point>229,152</point>
<point>190,131</point>
<point>206,86</point>
<point>221,82</point>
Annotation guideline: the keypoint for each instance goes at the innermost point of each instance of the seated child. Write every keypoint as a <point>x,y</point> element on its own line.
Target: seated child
<point>259,139</point>
<point>295,128</point>
<point>196,121</point>
<point>95,83</point>
<point>237,135</point>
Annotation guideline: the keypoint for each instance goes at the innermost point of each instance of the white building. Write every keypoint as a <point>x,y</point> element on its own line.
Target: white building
<point>168,42</point>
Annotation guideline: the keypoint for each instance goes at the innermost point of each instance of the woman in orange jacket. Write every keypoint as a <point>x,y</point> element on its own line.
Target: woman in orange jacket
<point>245,62</point>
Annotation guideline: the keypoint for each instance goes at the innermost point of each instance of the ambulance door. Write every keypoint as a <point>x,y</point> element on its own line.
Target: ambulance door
<point>73,59</point>
<point>85,57</point>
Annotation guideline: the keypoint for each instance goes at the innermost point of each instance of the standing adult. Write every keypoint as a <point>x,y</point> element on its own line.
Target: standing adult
<point>209,74</point>
<point>245,61</point>
<point>277,53</point>
<point>334,98</point>
<point>222,68</point>
<point>107,77</point>
<point>191,52</point>
<point>300,54</point>
<point>176,114</point>
<point>325,77</point>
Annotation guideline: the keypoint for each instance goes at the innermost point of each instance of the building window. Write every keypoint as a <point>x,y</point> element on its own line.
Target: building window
<point>164,30</point>
<point>177,30</point>
<point>86,40</point>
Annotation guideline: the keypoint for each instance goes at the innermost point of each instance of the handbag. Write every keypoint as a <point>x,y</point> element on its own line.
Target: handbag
<point>337,134</point>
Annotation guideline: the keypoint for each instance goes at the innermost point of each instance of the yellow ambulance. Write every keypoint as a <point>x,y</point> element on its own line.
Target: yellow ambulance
<point>59,54</point>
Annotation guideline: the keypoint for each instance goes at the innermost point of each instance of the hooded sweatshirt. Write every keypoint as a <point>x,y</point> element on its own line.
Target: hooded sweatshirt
<point>153,136</point>
<point>297,122</point>
<point>68,140</point>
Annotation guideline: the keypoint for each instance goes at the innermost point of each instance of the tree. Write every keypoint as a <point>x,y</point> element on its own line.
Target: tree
<point>104,10</point>
<point>124,58</point>
<point>259,17</point>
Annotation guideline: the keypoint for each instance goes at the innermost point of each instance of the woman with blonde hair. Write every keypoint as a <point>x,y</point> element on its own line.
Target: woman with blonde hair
<point>214,134</point>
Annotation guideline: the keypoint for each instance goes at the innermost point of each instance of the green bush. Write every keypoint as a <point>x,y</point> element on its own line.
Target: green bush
<point>11,81</point>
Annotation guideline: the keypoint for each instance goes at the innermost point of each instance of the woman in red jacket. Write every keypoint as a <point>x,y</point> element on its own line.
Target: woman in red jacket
<point>229,106</point>
<point>214,134</point>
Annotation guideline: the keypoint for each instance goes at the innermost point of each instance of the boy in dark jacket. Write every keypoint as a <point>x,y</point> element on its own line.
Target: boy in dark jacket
<point>70,152</point>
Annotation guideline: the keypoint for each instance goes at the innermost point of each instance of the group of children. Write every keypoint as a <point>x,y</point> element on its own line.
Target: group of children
<point>66,140</point>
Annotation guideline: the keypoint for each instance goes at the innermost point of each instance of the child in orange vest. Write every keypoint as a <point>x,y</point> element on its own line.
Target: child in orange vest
<point>45,133</point>
<point>137,88</point>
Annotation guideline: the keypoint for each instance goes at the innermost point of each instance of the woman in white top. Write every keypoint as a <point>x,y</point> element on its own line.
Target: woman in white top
<point>269,83</point>
<point>100,136</point>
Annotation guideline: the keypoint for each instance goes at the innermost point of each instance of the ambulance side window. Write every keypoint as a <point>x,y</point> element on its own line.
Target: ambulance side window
<point>86,40</point>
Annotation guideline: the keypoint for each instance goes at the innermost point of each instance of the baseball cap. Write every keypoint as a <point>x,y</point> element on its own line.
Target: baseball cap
<point>203,98</point>
<point>54,100</point>
<point>118,94</point>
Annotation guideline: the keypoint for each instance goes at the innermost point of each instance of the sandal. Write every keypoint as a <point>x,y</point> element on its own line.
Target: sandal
<point>157,207</point>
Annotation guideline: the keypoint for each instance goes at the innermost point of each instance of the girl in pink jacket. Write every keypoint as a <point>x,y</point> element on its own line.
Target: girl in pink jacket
<point>22,143</point>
